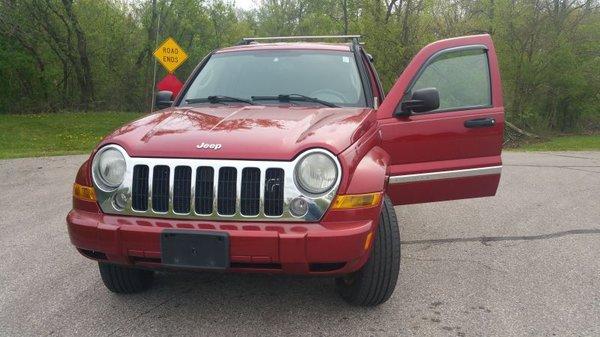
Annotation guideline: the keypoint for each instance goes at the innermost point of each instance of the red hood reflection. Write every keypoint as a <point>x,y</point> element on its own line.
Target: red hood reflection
<point>244,132</point>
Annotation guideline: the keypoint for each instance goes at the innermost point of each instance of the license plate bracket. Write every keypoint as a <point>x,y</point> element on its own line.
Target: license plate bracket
<point>195,249</point>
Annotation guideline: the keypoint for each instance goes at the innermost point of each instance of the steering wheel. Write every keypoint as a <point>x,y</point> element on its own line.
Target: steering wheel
<point>329,95</point>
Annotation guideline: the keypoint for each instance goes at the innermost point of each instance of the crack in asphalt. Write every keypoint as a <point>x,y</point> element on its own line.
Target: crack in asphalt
<point>551,166</point>
<point>576,169</point>
<point>567,156</point>
<point>581,168</point>
<point>475,262</point>
<point>485,239</point>
<point>145,312</point>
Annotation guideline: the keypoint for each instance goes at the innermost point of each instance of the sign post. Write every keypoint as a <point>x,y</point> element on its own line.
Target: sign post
<point>171,56</point>
<point>154,69</point>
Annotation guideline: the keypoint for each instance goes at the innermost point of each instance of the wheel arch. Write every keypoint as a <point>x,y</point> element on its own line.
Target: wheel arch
<point>367,173</point>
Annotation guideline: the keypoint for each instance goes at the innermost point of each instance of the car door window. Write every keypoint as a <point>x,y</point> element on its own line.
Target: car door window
<point>461,77</point>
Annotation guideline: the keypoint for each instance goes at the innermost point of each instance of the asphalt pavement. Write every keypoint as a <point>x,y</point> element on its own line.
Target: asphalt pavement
<point>523,263</point>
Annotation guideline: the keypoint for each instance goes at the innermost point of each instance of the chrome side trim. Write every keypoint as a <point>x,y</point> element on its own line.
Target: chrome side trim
<point>438,175</point>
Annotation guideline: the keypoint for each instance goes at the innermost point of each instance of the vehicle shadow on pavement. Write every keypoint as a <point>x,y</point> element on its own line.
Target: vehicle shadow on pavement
<point>258,287</point>
<point>195,303</point>
<point>212,289</point>
<point>228,299</point>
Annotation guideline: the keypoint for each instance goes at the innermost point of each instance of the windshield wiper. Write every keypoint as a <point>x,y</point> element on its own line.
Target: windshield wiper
<point>218,99</point>
<point>294,97</point>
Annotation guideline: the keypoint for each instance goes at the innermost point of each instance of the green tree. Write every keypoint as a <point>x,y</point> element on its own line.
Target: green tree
<point>97,54</point>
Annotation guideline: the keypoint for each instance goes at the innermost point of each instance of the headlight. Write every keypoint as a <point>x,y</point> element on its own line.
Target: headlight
<point>109,168</point>
<point>316,173</point>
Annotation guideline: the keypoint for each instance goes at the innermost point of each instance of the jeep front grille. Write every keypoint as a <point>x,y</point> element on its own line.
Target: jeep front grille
<point>182,187</point>
<point>209,189</point>
<point>226,193</point>
<point>250,203</point>
<point>273,194</point>
<point>140,188</point>
<point>160,189</point>
<point>204,190</point>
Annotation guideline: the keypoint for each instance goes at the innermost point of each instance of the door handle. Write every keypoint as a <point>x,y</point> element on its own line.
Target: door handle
<point>480,123</point>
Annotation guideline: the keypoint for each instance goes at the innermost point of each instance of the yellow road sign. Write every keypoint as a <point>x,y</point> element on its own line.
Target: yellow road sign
<point>170,55</point>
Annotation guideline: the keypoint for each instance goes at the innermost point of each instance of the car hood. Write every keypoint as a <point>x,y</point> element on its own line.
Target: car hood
<point>243,132</point>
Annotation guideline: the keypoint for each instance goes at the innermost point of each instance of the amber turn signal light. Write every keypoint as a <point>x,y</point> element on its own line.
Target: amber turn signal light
<point>368,241</point>
<point>84,193</point>
<point>350,201</point>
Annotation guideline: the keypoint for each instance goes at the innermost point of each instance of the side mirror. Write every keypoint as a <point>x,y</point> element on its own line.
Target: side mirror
<point>163,99</point>
<point>422,100</point>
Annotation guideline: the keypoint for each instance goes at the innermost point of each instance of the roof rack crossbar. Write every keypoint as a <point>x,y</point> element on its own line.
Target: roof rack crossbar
<point>354,38</point>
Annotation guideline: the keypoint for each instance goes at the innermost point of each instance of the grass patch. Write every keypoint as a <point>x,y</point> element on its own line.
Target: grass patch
<point>78,132</point>
<point>57,133</point>
<point>565,143</point>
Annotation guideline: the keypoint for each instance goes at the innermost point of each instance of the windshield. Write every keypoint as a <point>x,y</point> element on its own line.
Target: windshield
<point>330,76</point>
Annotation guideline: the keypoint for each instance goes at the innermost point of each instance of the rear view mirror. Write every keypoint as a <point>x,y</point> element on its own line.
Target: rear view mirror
<point>422,100</point>
<point>163,99</point>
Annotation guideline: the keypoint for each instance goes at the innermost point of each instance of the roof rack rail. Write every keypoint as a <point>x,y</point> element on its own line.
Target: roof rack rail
<point>248,40</point>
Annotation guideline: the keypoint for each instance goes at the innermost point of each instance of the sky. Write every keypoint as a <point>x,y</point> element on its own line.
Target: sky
<point>246,4</point>
<point>243,4</point>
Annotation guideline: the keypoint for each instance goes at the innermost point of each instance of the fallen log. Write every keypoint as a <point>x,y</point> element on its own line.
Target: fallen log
<point>520,131</point>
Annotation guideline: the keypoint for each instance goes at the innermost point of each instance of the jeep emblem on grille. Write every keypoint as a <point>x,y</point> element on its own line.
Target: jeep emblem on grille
<point>273,184</point>
<point>206,146</point>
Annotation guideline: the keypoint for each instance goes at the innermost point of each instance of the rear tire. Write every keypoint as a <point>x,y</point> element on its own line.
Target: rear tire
<point>125,280</point>
<point>375,282</point>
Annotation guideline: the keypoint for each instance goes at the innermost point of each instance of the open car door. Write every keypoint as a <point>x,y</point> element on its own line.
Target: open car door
<point>442,123</point>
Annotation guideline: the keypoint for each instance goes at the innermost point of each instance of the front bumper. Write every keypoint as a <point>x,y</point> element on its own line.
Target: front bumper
<point>330,247</point>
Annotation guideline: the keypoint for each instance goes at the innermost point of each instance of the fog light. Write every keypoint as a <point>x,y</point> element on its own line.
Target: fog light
<point>120,200</point>
<point>299,207</point>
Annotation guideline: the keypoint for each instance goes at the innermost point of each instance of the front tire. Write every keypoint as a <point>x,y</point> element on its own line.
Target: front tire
<point>375,282</point>
<point>125,280</point>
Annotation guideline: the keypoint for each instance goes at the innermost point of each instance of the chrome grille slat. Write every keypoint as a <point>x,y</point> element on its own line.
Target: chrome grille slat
<point>238,192</point>
<point>261,203</point>
<point>216,177</point>
<point>150,178</point>
<point>170,188</point>
<point>193,189</point>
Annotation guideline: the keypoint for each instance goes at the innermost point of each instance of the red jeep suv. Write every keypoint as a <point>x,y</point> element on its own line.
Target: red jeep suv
<point>289,158</point>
